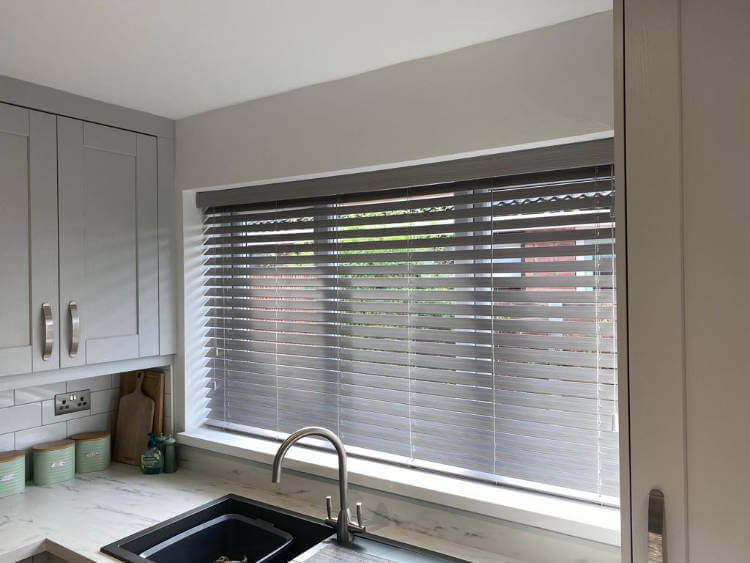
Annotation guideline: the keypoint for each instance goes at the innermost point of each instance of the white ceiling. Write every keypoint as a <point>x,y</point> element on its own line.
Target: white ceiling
<point>180,57</point>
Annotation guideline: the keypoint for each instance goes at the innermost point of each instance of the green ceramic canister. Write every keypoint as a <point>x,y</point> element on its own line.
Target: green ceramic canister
<point>12,472</point>
<point>92,451</point>
<point>54,462</point>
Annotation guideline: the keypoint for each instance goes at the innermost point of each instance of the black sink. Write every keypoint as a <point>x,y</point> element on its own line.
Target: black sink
<point>233,536</point>
<point>231,526</point>
<point>236,527</point>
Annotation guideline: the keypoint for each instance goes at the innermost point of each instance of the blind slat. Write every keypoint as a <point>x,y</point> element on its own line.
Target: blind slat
<point>572,310</point>
<point>557,221</point>
<point>275,253</point>
<point>310,221</point>
<point>601,265</point>
<point>266,213</point>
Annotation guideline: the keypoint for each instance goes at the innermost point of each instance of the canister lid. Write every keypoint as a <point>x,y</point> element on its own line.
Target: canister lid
<point>91,435</point>
<point>11,455</point>
<point>50,446</point>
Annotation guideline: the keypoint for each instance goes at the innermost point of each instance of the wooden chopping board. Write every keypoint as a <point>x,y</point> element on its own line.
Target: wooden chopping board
<point>153,387</point>
<point>135,419</point>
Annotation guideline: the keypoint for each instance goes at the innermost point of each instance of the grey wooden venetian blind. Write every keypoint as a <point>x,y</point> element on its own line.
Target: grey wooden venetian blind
<point>466,326</point>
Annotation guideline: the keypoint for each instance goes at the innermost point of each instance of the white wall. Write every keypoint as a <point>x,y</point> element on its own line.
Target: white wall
<point>27,414</point>
<point>544,84</point>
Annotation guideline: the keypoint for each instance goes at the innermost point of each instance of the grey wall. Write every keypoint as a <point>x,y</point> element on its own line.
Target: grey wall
<point>544,84</point>
<point>537,86</point>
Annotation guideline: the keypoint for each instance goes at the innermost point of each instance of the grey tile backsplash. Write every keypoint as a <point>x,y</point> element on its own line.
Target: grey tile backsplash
<point>27,415</point>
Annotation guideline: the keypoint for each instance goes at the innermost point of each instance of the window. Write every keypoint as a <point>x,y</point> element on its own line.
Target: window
<point>466,327</point>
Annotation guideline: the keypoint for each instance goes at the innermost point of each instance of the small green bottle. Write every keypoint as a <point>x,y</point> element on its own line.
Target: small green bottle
<point>152,460</point>
<point>170,455</point>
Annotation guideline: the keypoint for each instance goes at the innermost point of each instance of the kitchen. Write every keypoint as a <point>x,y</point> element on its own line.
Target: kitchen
<point>525,346</point>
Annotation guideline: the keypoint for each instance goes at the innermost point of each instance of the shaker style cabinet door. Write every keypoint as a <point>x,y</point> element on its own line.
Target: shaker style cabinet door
<point>28,242</point>
<point>107,181</point>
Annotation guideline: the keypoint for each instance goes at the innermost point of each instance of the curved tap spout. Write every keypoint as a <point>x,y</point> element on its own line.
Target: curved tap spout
<point>343,523</point>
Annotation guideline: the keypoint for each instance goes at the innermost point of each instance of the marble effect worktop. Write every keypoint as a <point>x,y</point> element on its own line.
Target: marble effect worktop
<point>74,519</point>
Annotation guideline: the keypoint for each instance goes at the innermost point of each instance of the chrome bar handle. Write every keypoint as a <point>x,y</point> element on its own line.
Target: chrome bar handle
<point>49,331</point>
<point>75,328</point>
<point>361,527</point>
<point>657,547</point>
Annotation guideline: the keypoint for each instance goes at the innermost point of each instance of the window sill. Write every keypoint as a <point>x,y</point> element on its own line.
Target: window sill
<point>574,518</point>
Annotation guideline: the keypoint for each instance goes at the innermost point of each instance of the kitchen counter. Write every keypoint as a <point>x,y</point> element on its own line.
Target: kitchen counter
<point>74,519</point>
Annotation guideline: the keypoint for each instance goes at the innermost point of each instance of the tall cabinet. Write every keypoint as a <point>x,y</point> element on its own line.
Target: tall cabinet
<point>86,238</point>
<point>685,149</point>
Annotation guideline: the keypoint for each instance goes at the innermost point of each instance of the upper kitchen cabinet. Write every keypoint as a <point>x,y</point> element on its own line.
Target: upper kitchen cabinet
<point>109,249</point>
<point>88,271</point>
<point>28,241</point>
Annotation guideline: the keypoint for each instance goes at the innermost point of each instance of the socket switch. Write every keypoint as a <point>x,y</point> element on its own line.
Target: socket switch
<point>72,401</point>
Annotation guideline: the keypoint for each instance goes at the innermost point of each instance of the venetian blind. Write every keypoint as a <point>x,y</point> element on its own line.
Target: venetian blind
<point>466,327</point>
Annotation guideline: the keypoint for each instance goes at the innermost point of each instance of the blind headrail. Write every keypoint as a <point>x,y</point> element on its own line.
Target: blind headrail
<point>559,157</point>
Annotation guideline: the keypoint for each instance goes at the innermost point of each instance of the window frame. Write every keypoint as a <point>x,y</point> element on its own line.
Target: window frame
<point>600,528</point>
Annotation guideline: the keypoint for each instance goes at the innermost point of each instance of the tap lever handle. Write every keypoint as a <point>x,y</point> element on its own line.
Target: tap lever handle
<point>329,507</point>
<point>359,514</point>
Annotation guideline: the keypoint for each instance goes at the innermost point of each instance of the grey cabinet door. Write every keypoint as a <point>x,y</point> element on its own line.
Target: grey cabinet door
<point>108,243</point>
<point>28,240</point>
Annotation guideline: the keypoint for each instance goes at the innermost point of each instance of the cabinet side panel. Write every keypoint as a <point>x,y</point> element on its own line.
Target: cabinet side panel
<point>148,250</point>
<point>167,249</point>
